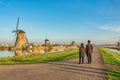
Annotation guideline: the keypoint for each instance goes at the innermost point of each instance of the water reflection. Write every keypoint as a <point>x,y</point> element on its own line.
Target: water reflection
<point>7,53</point>
<point>20,52</point>
<point>53,50</point>
<point>115,50</point>
<point>25,52</point>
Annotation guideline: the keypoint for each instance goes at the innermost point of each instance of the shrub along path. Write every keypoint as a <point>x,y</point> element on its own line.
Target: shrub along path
<point>63,70</point>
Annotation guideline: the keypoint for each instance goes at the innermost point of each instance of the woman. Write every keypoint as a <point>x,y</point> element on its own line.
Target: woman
<point>81,53</point>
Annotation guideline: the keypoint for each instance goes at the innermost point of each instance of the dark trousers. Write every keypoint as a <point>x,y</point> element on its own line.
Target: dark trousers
<point>81,60</point>
<point>89,57</point>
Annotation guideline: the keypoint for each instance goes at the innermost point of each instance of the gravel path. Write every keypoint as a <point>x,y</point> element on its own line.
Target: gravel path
<point>64,70</point>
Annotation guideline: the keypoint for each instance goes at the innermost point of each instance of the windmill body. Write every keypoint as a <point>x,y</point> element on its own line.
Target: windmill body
<point>20,41</point>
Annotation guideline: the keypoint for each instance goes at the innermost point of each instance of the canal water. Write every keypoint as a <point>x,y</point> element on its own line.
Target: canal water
<point>115,50</point>
<point>6,53</point>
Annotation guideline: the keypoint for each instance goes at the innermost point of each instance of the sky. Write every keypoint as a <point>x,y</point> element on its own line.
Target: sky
<point>61,21</point>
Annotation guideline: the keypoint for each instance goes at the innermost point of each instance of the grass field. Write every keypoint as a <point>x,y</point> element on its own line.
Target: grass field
<point>114,74</point>
<point>41,58</point>
<point>110,57</point>
<point>113,59</point>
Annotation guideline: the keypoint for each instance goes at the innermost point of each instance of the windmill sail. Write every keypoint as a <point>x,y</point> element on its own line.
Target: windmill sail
<point>17,24</point>
<point>21,40</point>
<point>26,39</point>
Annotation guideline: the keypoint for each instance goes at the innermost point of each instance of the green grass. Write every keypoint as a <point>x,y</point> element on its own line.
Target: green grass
<point>41,58</point>
<point>113,59</point>
<point>113,74</point>
<point>110,57</point>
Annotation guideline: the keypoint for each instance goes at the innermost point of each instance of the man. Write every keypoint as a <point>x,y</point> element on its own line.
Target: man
<point>89,50</point>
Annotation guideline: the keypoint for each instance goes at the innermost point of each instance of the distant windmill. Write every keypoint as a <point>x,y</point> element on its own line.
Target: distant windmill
<point>73,43</point>
<point>118,43</point>
<point>21,40</point>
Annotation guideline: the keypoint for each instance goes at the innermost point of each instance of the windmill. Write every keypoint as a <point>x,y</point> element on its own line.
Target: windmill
<point>73,43</point>
<point>21,39</point>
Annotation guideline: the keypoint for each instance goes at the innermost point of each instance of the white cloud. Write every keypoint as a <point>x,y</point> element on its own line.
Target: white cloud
<point>111,28</point>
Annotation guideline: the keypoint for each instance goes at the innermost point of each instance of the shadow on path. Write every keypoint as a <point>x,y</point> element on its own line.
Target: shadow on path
<point>73,65</point>
<point>74,68</point>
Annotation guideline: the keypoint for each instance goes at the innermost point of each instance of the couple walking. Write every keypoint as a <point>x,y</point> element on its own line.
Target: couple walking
<point>88,50</point>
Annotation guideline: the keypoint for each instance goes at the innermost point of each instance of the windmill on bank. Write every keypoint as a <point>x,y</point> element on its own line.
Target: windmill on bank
<point>21,40</point>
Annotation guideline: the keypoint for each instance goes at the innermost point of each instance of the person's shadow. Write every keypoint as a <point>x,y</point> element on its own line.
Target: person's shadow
<point>73,67</point>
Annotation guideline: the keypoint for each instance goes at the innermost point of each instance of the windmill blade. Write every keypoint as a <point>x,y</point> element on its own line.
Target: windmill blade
<point>13,31</point>
<point>14,39</point>
<point>17,24</point>
<point>26,39</point>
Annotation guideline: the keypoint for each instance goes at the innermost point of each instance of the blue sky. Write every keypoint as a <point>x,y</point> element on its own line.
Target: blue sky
<point>61,20</point>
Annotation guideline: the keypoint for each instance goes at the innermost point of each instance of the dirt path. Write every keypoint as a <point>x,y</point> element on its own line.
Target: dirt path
<point>65,70</point>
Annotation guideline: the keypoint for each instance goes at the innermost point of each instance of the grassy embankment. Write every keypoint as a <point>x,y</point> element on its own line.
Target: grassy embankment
<point>40,58</point>
<point>113,59</point>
